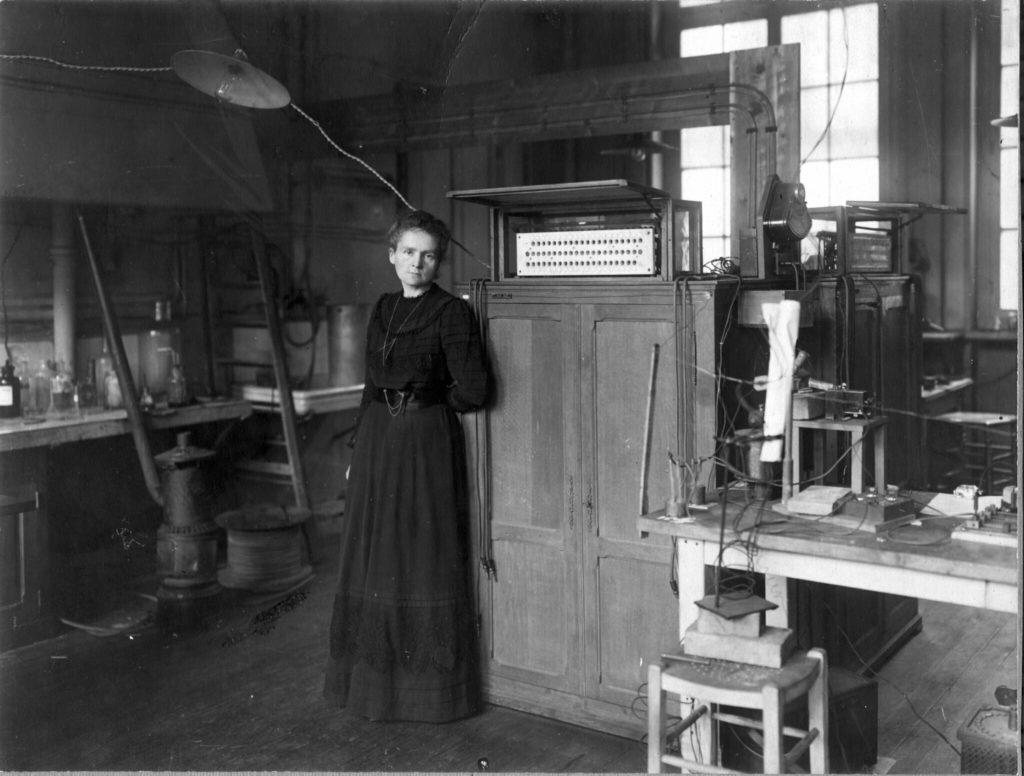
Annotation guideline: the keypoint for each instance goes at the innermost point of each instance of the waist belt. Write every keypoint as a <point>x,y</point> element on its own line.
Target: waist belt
<point>397,400</point>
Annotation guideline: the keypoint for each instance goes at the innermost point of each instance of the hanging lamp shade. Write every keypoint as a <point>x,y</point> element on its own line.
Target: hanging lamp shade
<point>230,79</point>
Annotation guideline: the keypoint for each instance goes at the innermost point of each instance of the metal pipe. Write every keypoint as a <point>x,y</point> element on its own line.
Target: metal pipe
<point>62,254</point>
<point>112,330</point>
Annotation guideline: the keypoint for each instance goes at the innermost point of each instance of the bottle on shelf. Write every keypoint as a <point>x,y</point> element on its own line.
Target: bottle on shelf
<point>10,392</point>
<point>39,390</point>
<point>113,398</point>
<point>156,345</point>
<point>86,388</point>
<point>62,391</point>
<point>177,387</point>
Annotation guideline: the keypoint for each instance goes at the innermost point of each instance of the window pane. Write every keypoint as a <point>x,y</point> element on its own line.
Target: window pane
<point>1010,53</point>
<point>700,41</point>
<point>810,31</point>
<point>853,43</point>
<point>854,129</point>
<point>703,146</point>
<point>714,248</point>
<point>813,117</point>
<point>744,35</point>
<point>854,179</point>
<point>1009,188</point>
<point>1009,270</point>
<point>814,176</point>
<point>708,187</point>
<point>1009,99</point>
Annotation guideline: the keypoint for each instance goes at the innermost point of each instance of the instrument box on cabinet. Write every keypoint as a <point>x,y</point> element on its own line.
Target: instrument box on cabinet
<point>589,230</point>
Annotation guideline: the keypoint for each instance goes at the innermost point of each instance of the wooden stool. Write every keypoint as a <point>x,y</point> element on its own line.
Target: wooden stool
<point>987,453</point>
<point>711,683</point>
<point>859,430</point>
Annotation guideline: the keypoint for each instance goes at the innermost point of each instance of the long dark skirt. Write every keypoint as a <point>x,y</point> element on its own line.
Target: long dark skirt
<point>403,641</point>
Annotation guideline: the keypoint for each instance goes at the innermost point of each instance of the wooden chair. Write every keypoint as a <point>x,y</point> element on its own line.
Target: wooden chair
<point>713,683</point>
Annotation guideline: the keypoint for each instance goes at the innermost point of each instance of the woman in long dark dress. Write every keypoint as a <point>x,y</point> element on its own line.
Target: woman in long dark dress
<point>403,636</point>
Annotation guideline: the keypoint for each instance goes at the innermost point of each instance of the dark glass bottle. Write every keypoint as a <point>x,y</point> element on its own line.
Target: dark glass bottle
<point>10,392</point>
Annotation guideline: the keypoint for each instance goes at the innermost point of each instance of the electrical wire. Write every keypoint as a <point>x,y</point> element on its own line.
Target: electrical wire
<point>874,674</point>
<point>839,97</point>
<point>316,124</point>
<point>71,66</point>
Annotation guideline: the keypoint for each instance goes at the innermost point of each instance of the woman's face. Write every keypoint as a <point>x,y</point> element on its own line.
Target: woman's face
<point>416,260</point>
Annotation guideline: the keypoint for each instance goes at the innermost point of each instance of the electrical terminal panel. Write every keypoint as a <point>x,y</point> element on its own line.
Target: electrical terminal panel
<point>588,252</point>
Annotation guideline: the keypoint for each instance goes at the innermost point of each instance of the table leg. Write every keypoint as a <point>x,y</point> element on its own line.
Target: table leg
<point>880,482</point>
<point>796,461</point>
<point>690,574</point>
<point>857,460</point>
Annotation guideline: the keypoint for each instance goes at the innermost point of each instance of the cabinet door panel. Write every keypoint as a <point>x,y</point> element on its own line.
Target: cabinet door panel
<point>533,619</point>
<point>629,604</point>
<point>531,631</point>
<point>634,603</point>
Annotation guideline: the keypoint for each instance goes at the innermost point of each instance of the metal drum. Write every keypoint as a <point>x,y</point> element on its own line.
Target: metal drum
<point>346,342</point>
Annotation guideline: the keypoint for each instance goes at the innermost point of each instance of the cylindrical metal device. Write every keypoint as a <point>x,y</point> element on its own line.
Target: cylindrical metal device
<point>346,342</point>
<point>187,539</point>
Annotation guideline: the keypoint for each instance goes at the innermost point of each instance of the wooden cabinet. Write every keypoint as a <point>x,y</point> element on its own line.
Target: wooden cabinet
<point>579,603</point>
<point>25,606</point>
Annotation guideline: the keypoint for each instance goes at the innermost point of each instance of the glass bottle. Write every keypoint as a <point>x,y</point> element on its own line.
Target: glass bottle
<point>113,399</point>
<point>62,391</point>
<point>26,386</point>
<point>40,389</point>
<point>177,387</point>
<point>87,394</point>
<point>10,392</point>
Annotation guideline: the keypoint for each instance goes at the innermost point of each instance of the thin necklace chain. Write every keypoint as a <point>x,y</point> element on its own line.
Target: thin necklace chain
<point>386,349</point>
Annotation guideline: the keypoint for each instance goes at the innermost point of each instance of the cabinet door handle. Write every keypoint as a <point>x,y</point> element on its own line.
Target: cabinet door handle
<point>572,504</point>
<point>589,505</point>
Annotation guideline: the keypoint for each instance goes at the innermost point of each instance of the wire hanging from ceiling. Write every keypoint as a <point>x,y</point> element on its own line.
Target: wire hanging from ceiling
<point>129,69</point>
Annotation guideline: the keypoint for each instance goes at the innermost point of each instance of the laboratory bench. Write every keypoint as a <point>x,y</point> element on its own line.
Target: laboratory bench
<point>21,433</point>
<point>924,559</point>
<point>71,492</point>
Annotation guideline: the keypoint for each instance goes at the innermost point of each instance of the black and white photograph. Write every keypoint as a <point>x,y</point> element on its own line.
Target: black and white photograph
<point>553,386</point>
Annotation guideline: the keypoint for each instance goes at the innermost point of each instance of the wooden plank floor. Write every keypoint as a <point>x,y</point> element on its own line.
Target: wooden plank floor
<point>243,693</point>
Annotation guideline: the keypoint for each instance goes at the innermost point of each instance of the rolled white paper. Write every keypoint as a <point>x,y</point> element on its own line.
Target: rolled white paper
<point>783,319</point>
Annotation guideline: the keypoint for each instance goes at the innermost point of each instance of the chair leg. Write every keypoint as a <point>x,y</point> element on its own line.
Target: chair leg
<point>817,713</point>
<point>774,751</point>
<point>656,719</point>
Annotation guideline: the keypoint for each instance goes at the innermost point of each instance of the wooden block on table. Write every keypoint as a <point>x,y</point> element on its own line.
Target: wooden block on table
<point>819,500</point>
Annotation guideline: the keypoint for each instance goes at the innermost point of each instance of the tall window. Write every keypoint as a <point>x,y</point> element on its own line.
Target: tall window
<point>838,106</point>
<point>1009,159</point>
<point>704,151</point>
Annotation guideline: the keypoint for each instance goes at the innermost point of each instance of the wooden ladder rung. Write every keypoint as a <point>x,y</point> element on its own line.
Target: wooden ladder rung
<point>256,466</point>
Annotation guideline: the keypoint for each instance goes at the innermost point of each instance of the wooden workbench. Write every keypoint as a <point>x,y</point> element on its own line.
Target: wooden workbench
<point>24,433</point>
<point>955,571</point>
